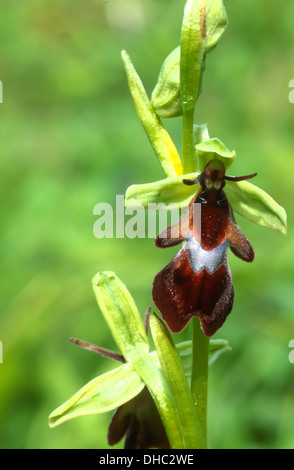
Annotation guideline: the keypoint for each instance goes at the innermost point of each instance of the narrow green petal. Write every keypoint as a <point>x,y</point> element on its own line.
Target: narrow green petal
<point>214,149</point>
<point>104,393</point>
<point>173,371</point>
<point>120,312</point>
<point>256,205</point>
<point>172,192</point>
<point>159,137</point>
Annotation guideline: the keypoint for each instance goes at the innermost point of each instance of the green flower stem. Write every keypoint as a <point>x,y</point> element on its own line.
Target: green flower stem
<point>199,379</point>
<point>193,40</point>
<point>189,164</point>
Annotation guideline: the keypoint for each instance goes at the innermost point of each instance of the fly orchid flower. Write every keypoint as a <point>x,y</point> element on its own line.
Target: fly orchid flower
<point>198,280</point>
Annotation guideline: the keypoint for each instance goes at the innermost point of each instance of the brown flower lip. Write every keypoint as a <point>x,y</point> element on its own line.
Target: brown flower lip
<point>198,281</point>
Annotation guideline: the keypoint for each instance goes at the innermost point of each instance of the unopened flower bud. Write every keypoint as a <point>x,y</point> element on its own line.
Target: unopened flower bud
<point>166,97</point>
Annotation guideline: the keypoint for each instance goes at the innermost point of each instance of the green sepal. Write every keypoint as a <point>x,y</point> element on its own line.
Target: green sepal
<point>120,312</point>
<point>173,371</point>
<point>159,138</point>
<point>171,192</point>
<point>213,149</point>
<point>256,205</point>
<point>104,393</point>
<point>166,96</point>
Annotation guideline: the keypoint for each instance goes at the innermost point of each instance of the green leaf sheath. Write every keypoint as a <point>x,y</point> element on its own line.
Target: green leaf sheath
<point>173,372</point>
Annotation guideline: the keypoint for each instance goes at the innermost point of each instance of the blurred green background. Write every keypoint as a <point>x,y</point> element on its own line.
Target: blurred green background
<point>70,138</point>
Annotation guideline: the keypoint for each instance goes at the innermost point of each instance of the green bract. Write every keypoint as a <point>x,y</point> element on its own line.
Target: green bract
<point>159,138</point>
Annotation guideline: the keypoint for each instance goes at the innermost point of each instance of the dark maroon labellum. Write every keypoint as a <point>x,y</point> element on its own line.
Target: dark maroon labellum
<point>198,281</point>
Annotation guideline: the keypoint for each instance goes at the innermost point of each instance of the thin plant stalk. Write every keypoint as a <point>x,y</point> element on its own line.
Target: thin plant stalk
<point>199,376</point>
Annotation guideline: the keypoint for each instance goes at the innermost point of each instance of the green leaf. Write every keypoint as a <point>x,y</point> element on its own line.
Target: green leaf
<point>216,23</point>
<point>213,149</point>
<point>217,347</point>
<point>120,312</point>
<point>171,192</point>
<point>149,370</point>
<point>104,393</point>
<point>166,96</point>
<point>173,371</point>
<point>159,138</point>
<point>256,205</point>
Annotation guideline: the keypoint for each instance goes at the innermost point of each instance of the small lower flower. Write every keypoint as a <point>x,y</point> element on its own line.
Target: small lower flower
<point>139,421</point>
